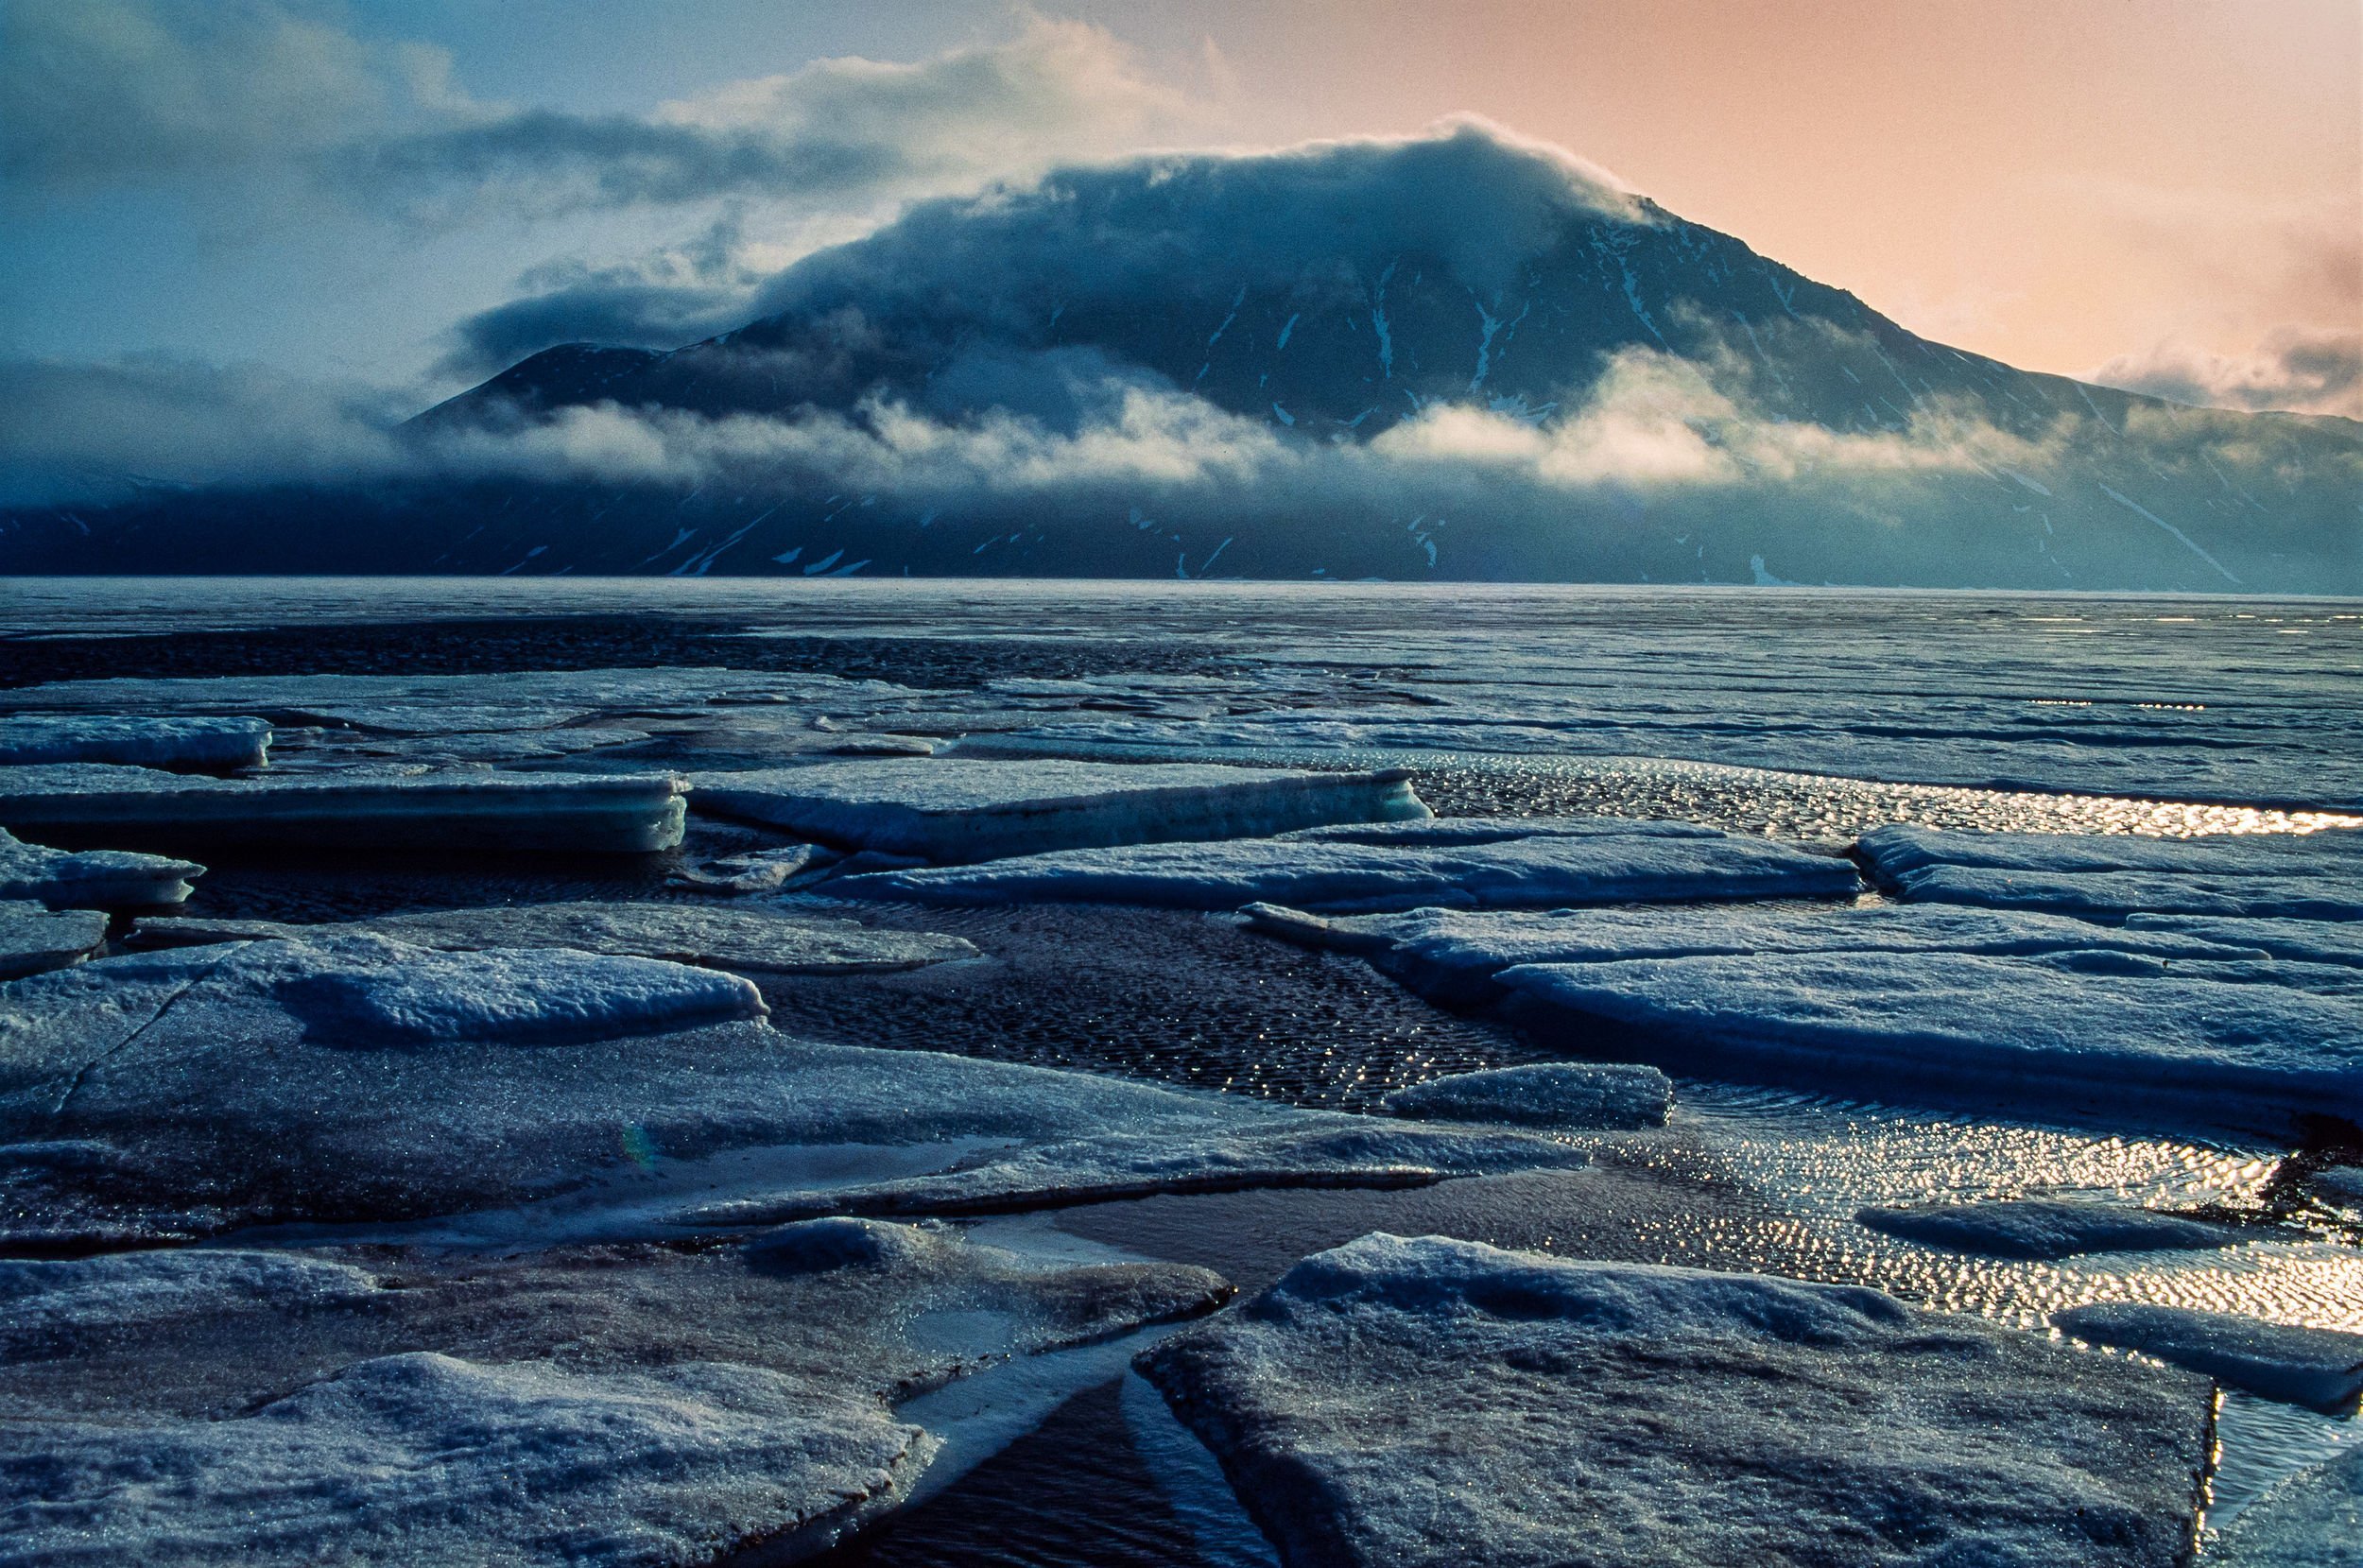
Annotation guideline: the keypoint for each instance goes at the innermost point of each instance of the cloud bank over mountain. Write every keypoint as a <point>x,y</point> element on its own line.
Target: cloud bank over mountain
<point>1455,354</point>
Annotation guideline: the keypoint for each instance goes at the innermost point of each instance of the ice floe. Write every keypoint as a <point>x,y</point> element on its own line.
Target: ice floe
<point>91,879</point>
<point>2046,1228</point>
<point>184,1092</point>
<point>619,1406</point>
<point>2052,1030</point>
<point>2313,1518</point>
<point>1553,1093</point>
<point>2320,1368</point>
<point>215,745</point>
<point>1431,1402</point>
<point>2305,941</point>
<point>734,937</point>
<point>479,810</point>
<point>34,937</point>
<point>1452,955</point>
<point>2307,877</point>
<point>368,989</point>
<point>1544,865</point>
<point>958,810</point>
<point>754,872</point>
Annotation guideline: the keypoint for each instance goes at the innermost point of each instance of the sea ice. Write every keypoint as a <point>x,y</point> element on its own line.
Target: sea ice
<point>2046,1228</point>
<point>370,990</point>
<point>2306,942</point>
<point>474,810</point>
<point>2314,1519</point>
<point>2048,1029</point>
<point>1432,1402</point>
<point>1452,955</point>
<point>1543,866</point>
<point>755,872</point>
<point>34,937</point>
<point>734,936</point>
<point>181,1093</point>
<point>91,879</point>
<point>616,1406</point>
<point>2320,1368</point>
<point>2284,876</point>
<point>214,745</point>
<point>958,810</point>
<point>1554,1093</point>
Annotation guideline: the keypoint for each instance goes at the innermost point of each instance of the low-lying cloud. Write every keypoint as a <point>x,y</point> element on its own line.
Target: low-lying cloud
<point>2299,370</point>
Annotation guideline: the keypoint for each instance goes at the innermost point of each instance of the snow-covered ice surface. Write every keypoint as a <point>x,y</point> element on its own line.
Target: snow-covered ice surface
<point>101,879</point>
<point>2317,877</point>
<point>2314,1519</point>
<point>1547,1093</point>
<point>1515,870</point>
<point>34,937</point>
<point>953,811</point>
<point>738,937</point>
<point>2046,1228</point>
<point>1432,1402</point>
<point>611,1406</point>
<point>509,811</point>
<point>209,745</point>
<point>2320,1368</point>
<point>188,1092</point>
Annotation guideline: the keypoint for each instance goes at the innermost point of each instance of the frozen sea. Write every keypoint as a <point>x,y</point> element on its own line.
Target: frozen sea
<point>1805,717</point>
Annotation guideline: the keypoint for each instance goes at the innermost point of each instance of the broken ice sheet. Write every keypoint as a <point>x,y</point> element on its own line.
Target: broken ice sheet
<point>1518,867</point>
<point>736,937</point>
<point>214,745</point>
<point>579,813</point>
<point>2320,1368</point>
<point>193,1091</point>
<point>2313,1518</point>
<point>2046,1228</point>
<point>91,879</point>
<point>620,1406</point>
<point>2281,876</point>
<point>958,810</point>
<point>2053,1031</point>
<point>33,938</point>
<point>1432,1402</point>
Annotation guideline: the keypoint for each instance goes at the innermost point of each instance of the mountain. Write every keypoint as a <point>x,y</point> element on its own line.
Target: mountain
<point>1455,356</point>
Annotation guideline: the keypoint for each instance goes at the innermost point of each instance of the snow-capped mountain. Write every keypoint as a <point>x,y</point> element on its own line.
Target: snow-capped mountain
<point>1454,357</point>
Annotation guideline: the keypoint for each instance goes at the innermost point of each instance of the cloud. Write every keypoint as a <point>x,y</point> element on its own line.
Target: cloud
<point>839,131</point>
<point>73,433</point>
<point>2300,370</point>
<point>95,93</point>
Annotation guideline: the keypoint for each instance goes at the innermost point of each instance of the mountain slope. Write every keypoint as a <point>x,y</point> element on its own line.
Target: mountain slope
<point>1456,356</point>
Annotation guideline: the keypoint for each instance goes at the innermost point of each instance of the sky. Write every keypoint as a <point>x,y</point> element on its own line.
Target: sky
<point>362,201</point>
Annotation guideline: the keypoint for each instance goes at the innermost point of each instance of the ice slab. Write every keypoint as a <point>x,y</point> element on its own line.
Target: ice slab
<point>2286,876</point>
<point>370,990</point>
<point>2046,1228</point>
<point>1432,1402</point>
<point>613,1406</point>
<point>953,811</point>
<point>1543,866</point>
<point>729,938</point>
<point>181,1093</point>
<point>503,811</point>
<point>34,937</point>
<point>2320,1368</point>
<point>2048,1029</point>
<point>755,872</point>
<point>1452,955</point>
<point>2314,1519</point>
<point>91,879</point>
<point>209,744</point>
<point>426,1457</point>
<point>1552,1093</point>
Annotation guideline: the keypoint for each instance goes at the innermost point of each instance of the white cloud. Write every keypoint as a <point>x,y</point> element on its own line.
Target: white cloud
<point>2300,369</point>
